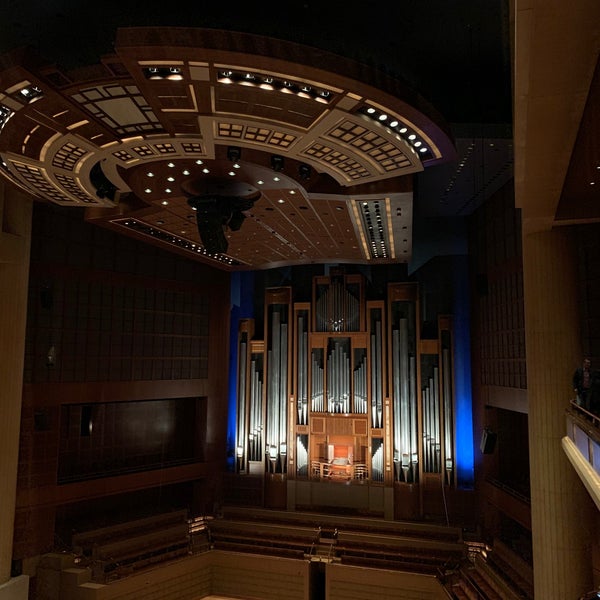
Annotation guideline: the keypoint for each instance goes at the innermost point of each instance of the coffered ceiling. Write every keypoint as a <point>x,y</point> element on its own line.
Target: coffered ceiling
<point>241,151</point>
<point>320,126</point>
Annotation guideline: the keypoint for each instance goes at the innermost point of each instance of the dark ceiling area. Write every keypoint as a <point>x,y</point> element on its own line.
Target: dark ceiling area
<point>455,54</point>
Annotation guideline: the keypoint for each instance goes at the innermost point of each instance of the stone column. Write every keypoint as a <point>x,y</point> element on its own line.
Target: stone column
<point>15,238</point>
<point>561,510</point>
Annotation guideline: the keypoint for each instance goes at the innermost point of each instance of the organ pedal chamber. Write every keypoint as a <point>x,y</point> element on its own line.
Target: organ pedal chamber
<point>343,390</point>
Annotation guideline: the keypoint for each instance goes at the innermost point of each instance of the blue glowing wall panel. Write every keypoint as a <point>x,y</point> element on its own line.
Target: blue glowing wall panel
<point>462,376</point>
<point>242,307</point>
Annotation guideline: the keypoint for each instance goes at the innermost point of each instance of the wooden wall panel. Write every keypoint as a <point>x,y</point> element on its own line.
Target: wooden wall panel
<point>259,577</point>
<point>357,583</point>
<point>15,227</point>
<point>561,510</point>
<point>128,322</point>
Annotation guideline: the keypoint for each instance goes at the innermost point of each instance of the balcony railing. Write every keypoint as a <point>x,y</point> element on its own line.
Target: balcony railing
<point>582,447</point>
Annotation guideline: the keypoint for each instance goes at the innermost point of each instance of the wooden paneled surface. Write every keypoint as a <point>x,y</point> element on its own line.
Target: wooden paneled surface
<point>15,230</point>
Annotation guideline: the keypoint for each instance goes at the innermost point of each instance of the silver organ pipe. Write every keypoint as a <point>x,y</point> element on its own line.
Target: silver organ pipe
<point>301,457</point>
<point>255,426</point>
<point>338,378</point>
<point>352,313</point>
<point>414,445</point>
<point>432,423</point>
<point>396,387</point>
<point>447,401</point>
<point>404,445</point>
<point>242,399</point>
<point>317,383</point>
<point>336,309</point>
<point>321,312</point>
<point>436,418</point>
<point>425,409</point>
<point>302,400</point>
<point>360,387</point>
<point>283,389</point>
<point>431,428</point>
<point>277,359</point>
<point>404,411</point>
<point>377,463</point>
<point>376,381</point>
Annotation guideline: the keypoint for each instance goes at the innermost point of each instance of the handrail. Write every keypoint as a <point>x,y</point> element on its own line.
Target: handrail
<point>117,471</point>
<point>509,490</point>
<point>594,418</point>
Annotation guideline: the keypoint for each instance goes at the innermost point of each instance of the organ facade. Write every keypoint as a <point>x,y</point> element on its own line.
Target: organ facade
<point>344,390</point>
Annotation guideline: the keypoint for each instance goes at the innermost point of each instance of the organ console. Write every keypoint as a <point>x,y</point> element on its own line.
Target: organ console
<point>347,387</point>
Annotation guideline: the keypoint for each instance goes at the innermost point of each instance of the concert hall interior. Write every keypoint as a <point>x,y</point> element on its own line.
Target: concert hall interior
<point>291,299</point>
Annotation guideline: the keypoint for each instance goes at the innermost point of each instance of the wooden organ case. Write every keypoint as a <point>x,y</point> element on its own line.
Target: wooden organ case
<point>343,390</point>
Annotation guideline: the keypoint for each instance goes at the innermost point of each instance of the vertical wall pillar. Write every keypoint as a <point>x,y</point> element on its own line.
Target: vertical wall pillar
<point>15,238</point>
<point>560,507</point>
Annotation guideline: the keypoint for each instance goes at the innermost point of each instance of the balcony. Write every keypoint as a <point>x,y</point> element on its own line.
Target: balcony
<point>582,447</point>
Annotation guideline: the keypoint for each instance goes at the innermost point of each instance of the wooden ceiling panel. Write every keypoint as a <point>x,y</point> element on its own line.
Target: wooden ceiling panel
<point>166,122</point>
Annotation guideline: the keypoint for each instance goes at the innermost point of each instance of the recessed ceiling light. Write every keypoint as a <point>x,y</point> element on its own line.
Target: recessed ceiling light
<point>417,143</point>
<point>423,149</point>
<point>232,173</point>
<point>170,178</point>
<point>276,178</point>
<point>370,110</point>
<point>394,124</point>
<point>150,174</point>
<point>260,182</point>
<point>168,190</point>
<point>281,200</point>
<point>205,170</point>
<point>383,117</point>
<point>170,165</point>
<point>403,130</point>
<point>412,136</point>
<point>165,202</point>
<point>186,172</point>
<point>199,162</point>
<point>148,190</point>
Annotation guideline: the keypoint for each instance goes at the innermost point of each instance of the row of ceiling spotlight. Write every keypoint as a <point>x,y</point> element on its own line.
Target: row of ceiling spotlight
<point>398,127</point>
<point>268,82</point>
<point>264,82</point>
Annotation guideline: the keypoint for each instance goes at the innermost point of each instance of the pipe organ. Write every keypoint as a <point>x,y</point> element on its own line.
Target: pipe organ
<point>343,389</point>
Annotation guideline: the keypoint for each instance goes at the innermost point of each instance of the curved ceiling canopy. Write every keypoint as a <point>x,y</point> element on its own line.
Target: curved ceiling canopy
<point>327,146</point>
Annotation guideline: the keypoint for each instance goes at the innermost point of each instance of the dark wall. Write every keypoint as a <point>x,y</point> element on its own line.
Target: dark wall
<point>588,240</point>
<point>498,360</point>
<point>106,308</point>
<point>496,268</point>
<point>121,393</point>
<point>112,438</point>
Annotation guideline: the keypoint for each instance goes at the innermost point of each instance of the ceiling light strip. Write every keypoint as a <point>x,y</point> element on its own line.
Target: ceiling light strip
<point>388,210</point>
<point>172,240</point>
<point>359,223</point>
